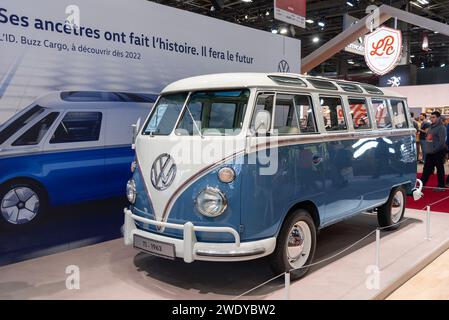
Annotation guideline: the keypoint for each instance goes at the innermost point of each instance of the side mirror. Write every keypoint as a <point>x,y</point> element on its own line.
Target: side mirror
<point>262,123</point>
<point>135,133</point>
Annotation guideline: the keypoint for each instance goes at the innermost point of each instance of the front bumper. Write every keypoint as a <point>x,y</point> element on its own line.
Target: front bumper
<point>190,250</point>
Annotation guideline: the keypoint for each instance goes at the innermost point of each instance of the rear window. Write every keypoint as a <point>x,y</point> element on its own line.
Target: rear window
<point>20,122</point>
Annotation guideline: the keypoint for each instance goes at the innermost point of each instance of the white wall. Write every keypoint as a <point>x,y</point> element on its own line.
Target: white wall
<point>428,96</point>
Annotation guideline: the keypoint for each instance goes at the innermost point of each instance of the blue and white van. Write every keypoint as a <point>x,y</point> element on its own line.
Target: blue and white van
<point>233,167</point>
<point>67,147</point>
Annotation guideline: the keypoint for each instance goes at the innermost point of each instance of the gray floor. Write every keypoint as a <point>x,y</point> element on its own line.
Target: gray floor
<point>112,271</point>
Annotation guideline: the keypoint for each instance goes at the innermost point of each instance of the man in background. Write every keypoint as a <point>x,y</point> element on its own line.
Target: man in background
<point>425,124</point>
<point>435,151</point>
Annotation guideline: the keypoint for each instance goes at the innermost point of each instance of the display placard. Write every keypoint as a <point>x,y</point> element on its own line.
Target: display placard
<point>291,11</point>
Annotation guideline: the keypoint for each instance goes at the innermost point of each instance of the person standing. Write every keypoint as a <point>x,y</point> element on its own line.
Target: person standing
<point>416,126</point>
<point>425,124</point>
<point>435,151</point>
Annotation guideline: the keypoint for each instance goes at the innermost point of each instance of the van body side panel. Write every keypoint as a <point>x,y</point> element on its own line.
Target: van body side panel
<point>117,169</point>
<point>354,175</point>
<point>361,173</point>
<point>68,177</point>
<point>266,197</point>
<point>184,209</point>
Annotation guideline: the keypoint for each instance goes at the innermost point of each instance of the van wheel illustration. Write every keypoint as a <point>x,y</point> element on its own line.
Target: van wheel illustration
<point>295,245</point>
<point>22,202</point>
<point>392,212</point>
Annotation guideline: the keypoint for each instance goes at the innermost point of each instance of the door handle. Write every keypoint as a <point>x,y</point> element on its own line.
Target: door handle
<point>317,159</point>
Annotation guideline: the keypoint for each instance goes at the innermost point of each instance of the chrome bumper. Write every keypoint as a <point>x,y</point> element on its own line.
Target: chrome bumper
<point>190,250</point>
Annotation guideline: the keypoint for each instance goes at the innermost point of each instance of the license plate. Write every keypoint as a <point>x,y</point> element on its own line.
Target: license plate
<point>157,248</point>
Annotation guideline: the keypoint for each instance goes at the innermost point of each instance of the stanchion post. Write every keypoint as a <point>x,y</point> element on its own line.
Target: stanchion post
<point>428,237</point>
<point>287,286</point>
<point>378,249</point>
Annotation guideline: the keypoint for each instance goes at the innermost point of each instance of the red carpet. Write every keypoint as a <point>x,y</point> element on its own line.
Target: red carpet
<point>431,197</point>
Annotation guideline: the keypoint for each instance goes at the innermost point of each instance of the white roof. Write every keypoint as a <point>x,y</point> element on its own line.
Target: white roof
<point>54,100</point>
<point>250,80</point>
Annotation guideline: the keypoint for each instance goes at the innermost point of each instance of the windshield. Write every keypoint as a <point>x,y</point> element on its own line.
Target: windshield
<point>206,113</point>
<point>20,122</point>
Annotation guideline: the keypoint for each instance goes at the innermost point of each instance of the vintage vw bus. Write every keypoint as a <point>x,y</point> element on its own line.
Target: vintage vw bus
<point>235,167</point>
<point>67,147</point>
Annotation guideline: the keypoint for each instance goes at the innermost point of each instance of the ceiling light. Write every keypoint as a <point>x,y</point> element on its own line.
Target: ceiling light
<point>351,62</point>
<point>415,4</point>
<point>246,17</point>
<point>310,21</point>
<point>247,0</point>
<point>267,13</point>
<point>274,31</point>
<point>424,2</point>
<point>321,24</point>
<point>315,39</point>
<point>349,3</point>
<point>284,31</point>
<point>412,56</point>
<point>443,65</point>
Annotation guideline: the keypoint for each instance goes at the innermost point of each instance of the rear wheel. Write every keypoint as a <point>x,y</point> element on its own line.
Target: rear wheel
<point>392,212</point>
<point>295,245</point>
<point>21,203</point>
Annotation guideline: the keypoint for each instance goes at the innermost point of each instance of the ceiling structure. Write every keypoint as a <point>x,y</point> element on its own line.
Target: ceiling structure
<point>259,14</point>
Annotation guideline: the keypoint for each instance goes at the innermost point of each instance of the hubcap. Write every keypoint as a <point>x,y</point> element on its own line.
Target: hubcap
<point>20,205</point>
<point>299,244</point>
<point>397,206</point>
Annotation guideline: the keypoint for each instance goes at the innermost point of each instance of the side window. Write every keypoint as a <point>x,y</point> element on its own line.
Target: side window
<point>78,127</point>
<point>294,115</point>
<point>382,114</point>
<point>264,101</point>
<point>399,114</point>
<point>333,114</point>
<point>20,122</point>
<point>35,134</point>
<point>359,113</point>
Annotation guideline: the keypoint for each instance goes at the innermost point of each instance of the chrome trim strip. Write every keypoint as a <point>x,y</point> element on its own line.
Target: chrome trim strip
<point>230,254</point>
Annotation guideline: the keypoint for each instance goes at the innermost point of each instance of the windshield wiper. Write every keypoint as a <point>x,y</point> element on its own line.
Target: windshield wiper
<point>194,122</point>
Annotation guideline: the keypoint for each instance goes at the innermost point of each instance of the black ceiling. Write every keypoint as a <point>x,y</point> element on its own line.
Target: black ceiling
<point>259,14</point>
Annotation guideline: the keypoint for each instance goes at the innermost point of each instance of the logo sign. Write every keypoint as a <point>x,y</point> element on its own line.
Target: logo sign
<point>358,46</point>
<point>283,67</point>
<point>163,172</point>
<point>383,49</point>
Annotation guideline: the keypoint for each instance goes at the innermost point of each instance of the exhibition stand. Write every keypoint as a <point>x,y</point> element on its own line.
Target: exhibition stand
<point>110,270</point>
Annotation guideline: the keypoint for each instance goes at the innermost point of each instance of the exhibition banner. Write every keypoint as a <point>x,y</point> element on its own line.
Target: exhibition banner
<point>358,46</point>
<point>135,46</point>
<point>291,11</point>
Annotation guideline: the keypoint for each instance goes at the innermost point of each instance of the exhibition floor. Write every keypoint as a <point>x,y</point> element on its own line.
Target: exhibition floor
<point>110,270</point>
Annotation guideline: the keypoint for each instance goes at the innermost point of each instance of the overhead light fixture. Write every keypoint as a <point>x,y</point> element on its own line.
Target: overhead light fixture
<point>425,43</point>
<point>274,31</point>
<point>351,62</point>
<point>247,1</point>
<point>423,2</point>
<point>412,56</point>
<point>310,21</point>
<point>349,3</point>
<point>321,24</point>
<point>316,39</point>
<point>416,4</point>
<point>284,31</point>
<point>267,13</point>
<point>443,65</point>
<point>246,17</point>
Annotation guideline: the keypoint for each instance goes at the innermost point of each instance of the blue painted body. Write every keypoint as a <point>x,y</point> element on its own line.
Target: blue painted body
<point>341,178</point>
<point>73,176</point>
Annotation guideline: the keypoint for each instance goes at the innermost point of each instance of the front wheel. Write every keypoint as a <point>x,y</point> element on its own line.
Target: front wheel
<point>391,213</point>
<point>295,246</point>
<point>21,203</point>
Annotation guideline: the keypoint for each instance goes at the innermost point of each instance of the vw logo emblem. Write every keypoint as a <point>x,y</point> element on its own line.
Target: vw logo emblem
<point>163,172</point>
<point>283,66</point>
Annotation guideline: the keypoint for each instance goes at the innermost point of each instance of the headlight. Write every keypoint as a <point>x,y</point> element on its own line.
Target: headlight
<point>133,166</point>
<point>131,192</point>
<point>211,202</point>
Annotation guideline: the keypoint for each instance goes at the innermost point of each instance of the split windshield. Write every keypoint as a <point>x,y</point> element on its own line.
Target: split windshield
<point>206,113</point>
